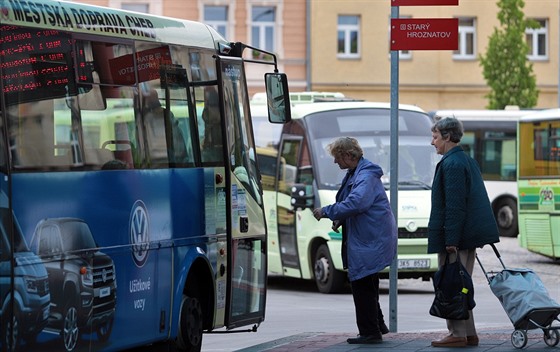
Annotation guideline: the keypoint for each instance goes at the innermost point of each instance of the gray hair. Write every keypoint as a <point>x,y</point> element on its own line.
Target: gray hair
<point>448,126</point>
<point>346,145</point>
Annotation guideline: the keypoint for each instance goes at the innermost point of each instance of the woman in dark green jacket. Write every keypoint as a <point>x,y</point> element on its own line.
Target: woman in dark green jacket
<point>461,218</point>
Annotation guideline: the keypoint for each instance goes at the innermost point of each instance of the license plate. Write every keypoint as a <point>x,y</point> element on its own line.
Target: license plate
<point>104,292</point>
<point>413,263</point>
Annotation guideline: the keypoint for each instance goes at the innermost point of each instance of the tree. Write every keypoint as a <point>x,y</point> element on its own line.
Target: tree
<point>505,66</point>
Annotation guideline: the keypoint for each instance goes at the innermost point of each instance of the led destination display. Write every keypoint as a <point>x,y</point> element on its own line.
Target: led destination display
<point>35,64</point>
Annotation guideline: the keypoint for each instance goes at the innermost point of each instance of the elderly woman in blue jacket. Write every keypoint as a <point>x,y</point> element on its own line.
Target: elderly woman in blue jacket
<point>369,234</point>
<point>461,218</point>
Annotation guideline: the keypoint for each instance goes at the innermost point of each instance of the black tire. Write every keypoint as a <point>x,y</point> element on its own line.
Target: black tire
<point>13,344</point>
<point>551,337</point>
<point>189,337</point>
<point>327,278</point>
<point>104,330</point>
<point>70,333</point>
<point>505,212</point>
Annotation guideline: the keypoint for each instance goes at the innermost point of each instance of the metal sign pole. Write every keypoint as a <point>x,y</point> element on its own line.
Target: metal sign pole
<point>394,174</point>
<point>407,34</point>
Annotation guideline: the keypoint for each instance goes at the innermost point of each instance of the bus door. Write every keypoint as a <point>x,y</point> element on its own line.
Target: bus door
<point>290,154</point>
<point>246,232</point>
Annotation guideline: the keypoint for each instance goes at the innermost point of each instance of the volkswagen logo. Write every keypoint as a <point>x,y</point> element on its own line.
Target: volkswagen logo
<point>139,233</point>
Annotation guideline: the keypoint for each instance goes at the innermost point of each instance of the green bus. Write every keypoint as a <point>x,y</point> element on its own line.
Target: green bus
<point>538,182</point>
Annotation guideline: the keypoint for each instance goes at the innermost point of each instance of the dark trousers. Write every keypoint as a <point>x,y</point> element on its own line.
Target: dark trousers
<point>365,292</point>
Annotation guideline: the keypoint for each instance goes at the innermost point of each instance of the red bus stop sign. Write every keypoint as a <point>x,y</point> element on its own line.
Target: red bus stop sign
<point>423,2</point>
<point>424,33</point>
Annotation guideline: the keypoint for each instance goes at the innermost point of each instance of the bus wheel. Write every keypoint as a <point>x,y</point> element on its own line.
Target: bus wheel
<point>506,217</point>
<point>70,332</point>
<point>327,278</point>
<point>189,338</point>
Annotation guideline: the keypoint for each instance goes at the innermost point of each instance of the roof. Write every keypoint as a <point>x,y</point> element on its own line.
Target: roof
<point>97,20</point>
<point>548,114</point>
<point>302,110</point>
<point>299,97</point>
<point>481,115</point>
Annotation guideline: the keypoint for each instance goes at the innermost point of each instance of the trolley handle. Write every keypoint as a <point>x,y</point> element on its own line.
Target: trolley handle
<point>496,251</point>
<point>487,274</point>
<point>497,254</point>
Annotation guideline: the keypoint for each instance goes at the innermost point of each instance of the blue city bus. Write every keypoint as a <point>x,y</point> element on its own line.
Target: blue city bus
<point>130,197</point>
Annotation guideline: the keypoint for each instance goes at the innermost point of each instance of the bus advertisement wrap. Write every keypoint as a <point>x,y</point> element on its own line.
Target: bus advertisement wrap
<point>131,201</point>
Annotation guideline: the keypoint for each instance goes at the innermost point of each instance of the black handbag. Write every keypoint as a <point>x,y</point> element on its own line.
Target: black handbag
<point>454,291</point>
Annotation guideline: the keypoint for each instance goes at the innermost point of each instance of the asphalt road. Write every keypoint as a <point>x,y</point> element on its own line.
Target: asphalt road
<point>295,306</point>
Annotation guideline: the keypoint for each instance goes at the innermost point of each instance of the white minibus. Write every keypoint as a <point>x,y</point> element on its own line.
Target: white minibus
<point>298,245</point>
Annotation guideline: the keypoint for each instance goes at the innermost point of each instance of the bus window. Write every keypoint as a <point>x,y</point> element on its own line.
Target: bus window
<point>212,143</point>
<point>287,236</point>
<point>164,105</point>
<point>498,159</point>
<point>242,156</point>
<point>32,135</point>
<point>468,143</point>
<point>165,137</point>
<point>266,160</point>
<point>154,123</point>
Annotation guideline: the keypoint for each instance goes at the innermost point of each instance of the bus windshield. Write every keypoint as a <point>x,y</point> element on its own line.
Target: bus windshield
<point>417,158</point>
<point>539,143</point>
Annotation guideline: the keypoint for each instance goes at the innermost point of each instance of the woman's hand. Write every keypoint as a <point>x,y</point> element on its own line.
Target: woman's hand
<point>318,213</point>
<point>451,249</point>
<point>335,225</point>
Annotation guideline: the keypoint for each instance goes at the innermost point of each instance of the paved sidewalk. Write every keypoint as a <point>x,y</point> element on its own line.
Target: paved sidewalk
<point>497,340</point>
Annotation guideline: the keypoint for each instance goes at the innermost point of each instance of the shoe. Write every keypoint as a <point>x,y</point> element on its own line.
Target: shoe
<point>366,340</point>
<point>472,340</point>
<point>450,341</point>
<point>383,328</point>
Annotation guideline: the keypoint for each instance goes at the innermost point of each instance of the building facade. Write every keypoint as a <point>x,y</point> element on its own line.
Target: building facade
<point>343,45</point>
<point>350,53</point>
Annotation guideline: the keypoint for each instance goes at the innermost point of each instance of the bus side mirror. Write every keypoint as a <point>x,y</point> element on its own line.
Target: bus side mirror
<point>302,197</point>
<point>277,97</point>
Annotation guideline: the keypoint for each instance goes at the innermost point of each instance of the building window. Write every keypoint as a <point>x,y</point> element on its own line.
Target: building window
<point>217,17</point>
<point>348,36</point>
<point>467,40</point>
<point>137,7</point>
<point>537,39</point>
<point>262,27</point>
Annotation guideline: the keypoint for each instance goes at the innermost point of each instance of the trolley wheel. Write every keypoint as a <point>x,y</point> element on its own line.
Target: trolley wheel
<point>551,337</point>
<point>519,339</point>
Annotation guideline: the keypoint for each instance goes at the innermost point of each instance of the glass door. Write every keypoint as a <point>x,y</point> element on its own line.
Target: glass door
<point>247,229</point>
